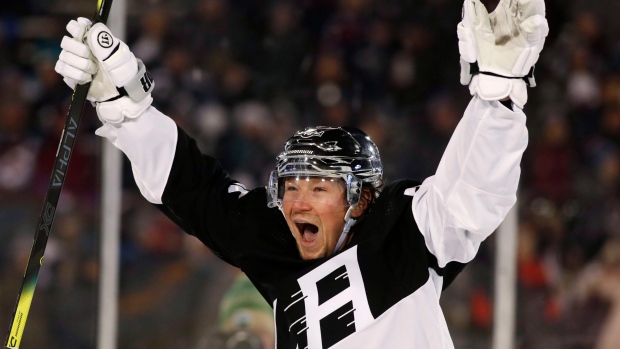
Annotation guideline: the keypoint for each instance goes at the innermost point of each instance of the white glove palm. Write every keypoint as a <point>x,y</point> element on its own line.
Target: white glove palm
<point>505,45</point>
<point>107,62</point>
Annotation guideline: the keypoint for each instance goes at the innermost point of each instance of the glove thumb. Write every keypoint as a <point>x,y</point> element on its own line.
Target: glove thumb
<point>475,15</point>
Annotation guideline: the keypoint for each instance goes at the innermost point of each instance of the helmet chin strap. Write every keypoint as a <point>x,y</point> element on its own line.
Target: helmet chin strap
<point>349,223</point>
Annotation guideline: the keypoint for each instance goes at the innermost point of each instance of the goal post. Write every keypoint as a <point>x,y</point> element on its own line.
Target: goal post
<point>505,286</point>
<point>111,203</point>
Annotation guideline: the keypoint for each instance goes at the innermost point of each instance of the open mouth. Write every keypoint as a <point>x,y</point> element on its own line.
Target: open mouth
<point>308,231</point>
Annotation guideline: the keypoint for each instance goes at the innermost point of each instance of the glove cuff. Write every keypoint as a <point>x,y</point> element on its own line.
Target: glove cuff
<point>140,86</point>
<point>493,88</point>
<point>118,110</point>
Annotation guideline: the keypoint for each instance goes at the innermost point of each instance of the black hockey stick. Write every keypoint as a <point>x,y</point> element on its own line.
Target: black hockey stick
<point>61,163</point>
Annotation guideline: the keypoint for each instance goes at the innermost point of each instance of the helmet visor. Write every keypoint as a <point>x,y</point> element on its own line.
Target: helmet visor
<point>295,166</point>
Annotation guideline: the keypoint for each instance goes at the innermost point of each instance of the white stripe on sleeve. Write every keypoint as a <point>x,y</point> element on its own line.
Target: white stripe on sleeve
<point>475,184</point>
<point>149,141</point>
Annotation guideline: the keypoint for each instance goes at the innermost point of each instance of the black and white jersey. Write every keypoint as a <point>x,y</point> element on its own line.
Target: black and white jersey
<point>383,289</point>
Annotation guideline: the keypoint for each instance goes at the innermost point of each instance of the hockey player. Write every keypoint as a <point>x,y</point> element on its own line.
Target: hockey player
<point>345,260</point>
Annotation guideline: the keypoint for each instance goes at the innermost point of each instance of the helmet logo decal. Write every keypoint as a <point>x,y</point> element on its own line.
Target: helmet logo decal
<point>329,146</point>
<point>310,132</point>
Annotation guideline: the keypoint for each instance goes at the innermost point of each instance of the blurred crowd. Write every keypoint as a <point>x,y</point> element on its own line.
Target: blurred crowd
<point>241,77</point>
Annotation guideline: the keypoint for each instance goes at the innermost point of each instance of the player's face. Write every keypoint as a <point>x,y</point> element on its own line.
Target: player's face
<point>314,208</point>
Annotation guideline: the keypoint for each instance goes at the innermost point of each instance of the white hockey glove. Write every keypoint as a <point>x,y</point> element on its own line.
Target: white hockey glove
<point>499,50</point>
<point>121,87</point>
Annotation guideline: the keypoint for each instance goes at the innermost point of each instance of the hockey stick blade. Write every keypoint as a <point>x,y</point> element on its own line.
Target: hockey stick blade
<point>44,226</point>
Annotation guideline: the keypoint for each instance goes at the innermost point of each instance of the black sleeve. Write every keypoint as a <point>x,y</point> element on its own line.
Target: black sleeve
<point>196,198</point>
<point>392,213</point>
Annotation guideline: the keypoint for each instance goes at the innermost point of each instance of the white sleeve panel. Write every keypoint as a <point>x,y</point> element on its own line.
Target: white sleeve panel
<point>149,141</point>
<point>475,184</point>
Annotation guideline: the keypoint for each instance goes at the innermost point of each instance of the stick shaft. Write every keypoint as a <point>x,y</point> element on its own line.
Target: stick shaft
<point>44,225</point>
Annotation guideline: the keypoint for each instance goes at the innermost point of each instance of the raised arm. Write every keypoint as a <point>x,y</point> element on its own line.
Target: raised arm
<point>170,171</point>
<point>476,182</point>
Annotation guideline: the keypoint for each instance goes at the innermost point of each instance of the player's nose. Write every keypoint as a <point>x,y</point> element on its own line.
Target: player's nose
<point>302,203</point>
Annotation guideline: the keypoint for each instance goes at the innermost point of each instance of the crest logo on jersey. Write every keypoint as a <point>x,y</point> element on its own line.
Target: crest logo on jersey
<point>104,39</point>
<point>329,303</point>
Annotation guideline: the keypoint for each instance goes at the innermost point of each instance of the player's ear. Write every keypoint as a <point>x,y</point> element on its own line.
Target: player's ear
<point>360,208</point>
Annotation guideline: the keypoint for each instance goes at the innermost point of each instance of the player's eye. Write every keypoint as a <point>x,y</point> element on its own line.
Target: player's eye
<point>291,188</point>
<point>320,189</point>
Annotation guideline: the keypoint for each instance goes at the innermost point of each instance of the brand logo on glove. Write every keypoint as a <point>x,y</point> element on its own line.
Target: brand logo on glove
<point>104,39</point>
<point>147,81</point>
